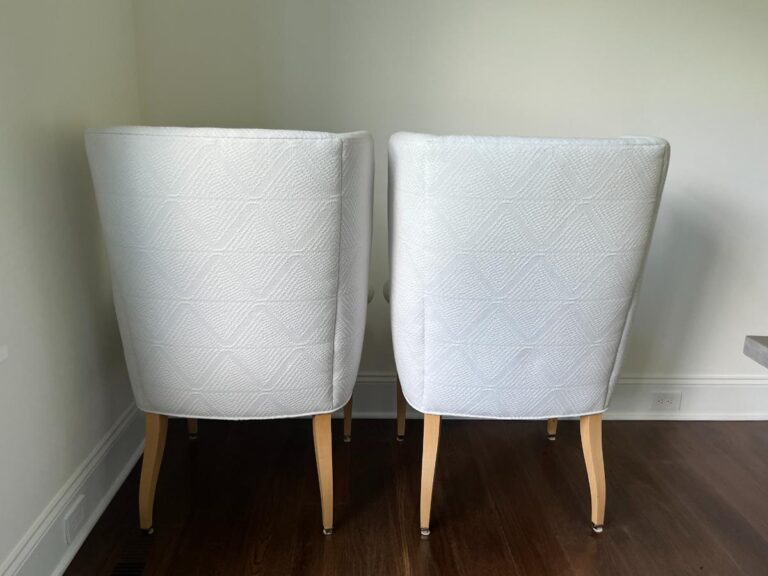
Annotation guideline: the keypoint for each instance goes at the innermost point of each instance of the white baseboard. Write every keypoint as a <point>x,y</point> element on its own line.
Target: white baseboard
<point>720,397</point>
<point>43,549</point>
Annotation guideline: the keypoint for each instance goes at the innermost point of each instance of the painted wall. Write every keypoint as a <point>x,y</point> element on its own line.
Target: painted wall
<point>691,71</point>
<point>63,66</point>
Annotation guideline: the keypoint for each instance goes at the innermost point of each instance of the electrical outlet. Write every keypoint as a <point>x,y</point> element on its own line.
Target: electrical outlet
<point>666,401</point>
<point>74,519</point>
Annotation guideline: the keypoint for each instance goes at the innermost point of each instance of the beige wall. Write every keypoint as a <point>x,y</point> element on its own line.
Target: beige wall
<point>691,71</point>
<point>63,66</point>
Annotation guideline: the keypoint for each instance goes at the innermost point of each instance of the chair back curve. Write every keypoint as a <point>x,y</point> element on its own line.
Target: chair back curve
<point>239,264</point>
<point>514,268</point>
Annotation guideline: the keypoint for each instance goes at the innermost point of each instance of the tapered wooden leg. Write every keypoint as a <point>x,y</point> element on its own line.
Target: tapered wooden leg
<point>428,460</point>
<point>552,429</point>
<point>348,421</point>
<point>154,445</point>
<point>592,444</point>
<point>401,405</point>
<point>192,428</point>
<point>321,428</point>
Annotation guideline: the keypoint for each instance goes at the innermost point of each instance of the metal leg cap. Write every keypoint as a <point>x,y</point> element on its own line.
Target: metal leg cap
<point>148,531</point>
<point>425,531</point>
<point>347,438</point>
<point>551,437</point>
<point>193,436</point>
<point>597,528</point>
<point>400,438</point>
<point>327,531</point>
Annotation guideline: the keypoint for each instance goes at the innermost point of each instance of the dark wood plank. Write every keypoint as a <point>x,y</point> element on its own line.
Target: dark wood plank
<point>683,498</point>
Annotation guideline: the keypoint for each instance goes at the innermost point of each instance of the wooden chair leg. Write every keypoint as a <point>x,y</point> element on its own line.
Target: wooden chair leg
<point>428,461</point>
<point>154,446</point>
<point>321,428</point>
<point>552,429</point>
<point>592,444</point>
<point>192,428</point>
<point>348,421</point>
<point>401,405</point>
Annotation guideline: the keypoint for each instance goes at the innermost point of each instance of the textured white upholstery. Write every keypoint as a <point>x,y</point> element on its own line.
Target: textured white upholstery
<point>240,265</point>
<point>514,268</point>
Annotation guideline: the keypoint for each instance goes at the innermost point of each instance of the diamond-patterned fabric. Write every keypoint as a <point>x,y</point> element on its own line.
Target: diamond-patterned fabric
<point>514,268</point>
<point>240,265</point>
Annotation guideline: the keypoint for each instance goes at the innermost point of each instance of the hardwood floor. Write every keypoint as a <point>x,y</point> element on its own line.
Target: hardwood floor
<point>683,498</point>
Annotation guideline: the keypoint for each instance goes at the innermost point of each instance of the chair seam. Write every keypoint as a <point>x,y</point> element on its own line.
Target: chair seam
<point>338,270</point>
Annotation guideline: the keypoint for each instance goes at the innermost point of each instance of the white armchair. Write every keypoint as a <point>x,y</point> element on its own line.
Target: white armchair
<point>240,271</point>
<point>514,270</point>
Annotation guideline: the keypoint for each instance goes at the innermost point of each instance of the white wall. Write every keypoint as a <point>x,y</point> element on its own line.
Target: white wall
<point>63,66</point>
<point>691,71</point>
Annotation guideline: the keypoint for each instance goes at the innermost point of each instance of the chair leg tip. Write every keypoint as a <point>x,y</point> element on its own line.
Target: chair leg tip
<point>193,436</point>
<point>148,531</point>
<point>551,437</point>
<point>597,528</point>
<point>425,531</point>
<point>400,438</point>
<point>327,531</point>
<point>347,438</point>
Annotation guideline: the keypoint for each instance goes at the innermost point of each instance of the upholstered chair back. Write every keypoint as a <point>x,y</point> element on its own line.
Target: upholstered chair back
<point>514,268</point>
<point>239,264</point>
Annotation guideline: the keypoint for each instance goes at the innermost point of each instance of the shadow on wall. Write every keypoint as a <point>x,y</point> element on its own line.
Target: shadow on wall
<point>679,268</point>
<point>90,279</point>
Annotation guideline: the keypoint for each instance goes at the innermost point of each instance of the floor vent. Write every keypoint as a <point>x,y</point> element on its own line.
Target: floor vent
<point>128,569</point>
<point>133,560</point>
